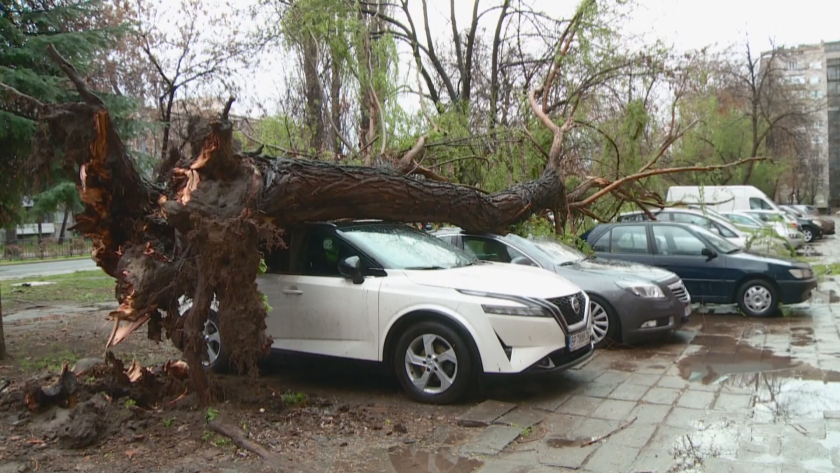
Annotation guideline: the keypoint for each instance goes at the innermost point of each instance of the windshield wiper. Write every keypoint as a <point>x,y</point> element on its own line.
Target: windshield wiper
<point>423,268</point>
<point>573,262</point>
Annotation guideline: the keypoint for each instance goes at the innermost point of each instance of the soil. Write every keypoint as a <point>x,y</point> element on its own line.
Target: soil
<point>332,419</point>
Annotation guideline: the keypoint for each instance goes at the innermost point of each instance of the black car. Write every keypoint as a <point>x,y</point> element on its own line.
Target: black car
<point>809,227</point>
<point>713,269</point>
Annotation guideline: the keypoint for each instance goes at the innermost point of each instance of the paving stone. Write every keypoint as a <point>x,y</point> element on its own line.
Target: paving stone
<point>733,402</point>
<point>612,377</point>
<point>636,435</point>
<point>550,404</point>
<point>712,388</point>
<point>484,414</point>
<point>696,399</point>
<point>507,466</point>
<point>562,424</point>
<point>751,450</point>
<point>661,396</point>
<point>522,417</point>
<point>612,409</point>
<point>570,457</point>
<point>628,392</point>
<point>653,461</point>
<point>665,438</point>
<point>594,428</point>
<point>673,382</point>
<point>597,389</point>
<point>721,465</point>
<point>800,448</point>
<point>579,405</point>
<point>611,459</point>
<point>832,415</point>
<point>655,365</point>
<point>491,440</point>
<point>811,428</point>
<point>649,413</point>
<point>684,417</point>
<point>643,379</point>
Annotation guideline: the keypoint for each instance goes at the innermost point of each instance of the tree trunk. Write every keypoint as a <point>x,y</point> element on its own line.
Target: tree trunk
<point>40,219</point>
<point>314,112</point>
<point>335,105</point>
<point>63,225</point>
<point>2,333</point>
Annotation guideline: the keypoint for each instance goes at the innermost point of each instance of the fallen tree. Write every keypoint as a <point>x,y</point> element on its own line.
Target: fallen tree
<point>197,230</point>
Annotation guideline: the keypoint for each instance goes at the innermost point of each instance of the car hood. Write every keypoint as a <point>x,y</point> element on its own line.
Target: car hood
<point>617,269</point>
<point>498,278</point>
<point>767,259</point>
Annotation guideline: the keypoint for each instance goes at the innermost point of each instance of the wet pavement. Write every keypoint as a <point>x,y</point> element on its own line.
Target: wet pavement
<point>727,393</point>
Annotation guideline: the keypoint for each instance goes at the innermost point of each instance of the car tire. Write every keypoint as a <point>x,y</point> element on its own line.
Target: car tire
<point>606,327</point>
<point>758,298</point>
<point>809,235</point>
<point>446,378</point>
<point>218,358</point>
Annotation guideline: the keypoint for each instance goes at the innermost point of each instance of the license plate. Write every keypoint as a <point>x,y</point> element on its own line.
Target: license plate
<point>579,340</point>
<point>687,310</point>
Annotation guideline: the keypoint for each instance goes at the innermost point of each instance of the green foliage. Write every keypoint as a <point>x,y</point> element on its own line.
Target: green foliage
<point>291,398</point>
<point>264,299</point>
<point>51,363</point>
<point>129,403</point>
<point>211,414</point>
<point>79,30</point>
<point>169,422</point>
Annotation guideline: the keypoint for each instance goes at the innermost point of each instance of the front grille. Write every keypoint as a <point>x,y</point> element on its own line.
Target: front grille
<point>565,306</point>
<point>679,291</point>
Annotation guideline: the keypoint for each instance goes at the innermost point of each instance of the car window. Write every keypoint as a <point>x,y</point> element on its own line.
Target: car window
<point>630,239</point>
<point>741,220</point>
<point>602,243</point>
<point>634,217</point>
<point>322,252</point>
<point>676,241</point>
<point>490,250</point>
<point>760,204</point>
<point>691,218</point>
<point>403,247</point>
<point>278,258</point>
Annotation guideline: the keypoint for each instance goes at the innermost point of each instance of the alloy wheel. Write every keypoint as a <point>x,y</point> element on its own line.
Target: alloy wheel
<point>213,340</point>
<point>600,321</point>
<point>431,363</point>
<point>758,298</point>
<point>808,236</point>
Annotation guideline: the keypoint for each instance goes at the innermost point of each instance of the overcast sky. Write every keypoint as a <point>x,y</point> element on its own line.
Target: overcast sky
<point>684,24</point>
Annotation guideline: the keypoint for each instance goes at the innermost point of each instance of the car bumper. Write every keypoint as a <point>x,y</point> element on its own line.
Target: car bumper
<point>669,314</point>
<point>561,360</point>
<point>792,292</point>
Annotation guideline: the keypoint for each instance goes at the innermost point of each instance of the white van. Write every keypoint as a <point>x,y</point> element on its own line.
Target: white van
<point>723,198</point>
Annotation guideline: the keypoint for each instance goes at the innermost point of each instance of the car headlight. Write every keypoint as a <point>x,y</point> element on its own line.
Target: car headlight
<point>523,309</point>
<point>533,311</point>
<point>642,289</point>
<point>817,223</point>
<point>801,273</point>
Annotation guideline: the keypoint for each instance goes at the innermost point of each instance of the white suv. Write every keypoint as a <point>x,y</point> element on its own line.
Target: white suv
<point>422,308</point>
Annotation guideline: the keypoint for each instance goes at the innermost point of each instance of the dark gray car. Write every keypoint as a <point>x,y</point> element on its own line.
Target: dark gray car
<point>628,302</point>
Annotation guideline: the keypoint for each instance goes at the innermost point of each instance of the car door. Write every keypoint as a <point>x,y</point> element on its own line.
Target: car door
<point>625,242</point>
<point>318,311</point>
<point>680,251</point>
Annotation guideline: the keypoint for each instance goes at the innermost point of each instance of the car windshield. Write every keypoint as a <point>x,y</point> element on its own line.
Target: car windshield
<point>552,250</point>
<point>402,247</point>
<point>720,244</point>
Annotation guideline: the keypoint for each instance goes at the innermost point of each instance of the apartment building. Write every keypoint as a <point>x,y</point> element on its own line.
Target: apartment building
<point>814,72</point>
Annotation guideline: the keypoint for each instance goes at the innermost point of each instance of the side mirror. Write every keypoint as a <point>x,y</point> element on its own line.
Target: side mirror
<point>351,268</point>
<point>523,261</point>
<point>709,253</point>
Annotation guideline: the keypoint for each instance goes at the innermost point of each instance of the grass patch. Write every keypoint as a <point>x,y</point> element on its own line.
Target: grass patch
<point>81,286</point>
<point>45,260</point>
<point>823,270</point>
<point>51,363</point>
<point>291,398</point>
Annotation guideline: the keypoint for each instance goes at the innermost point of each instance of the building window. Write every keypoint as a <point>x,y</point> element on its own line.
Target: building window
<point>817,140</point>
<point>792,65</point>
<point>816,94</point>
<point>815,65</point>
<point>815,80</point>
<point>797,79</point>
<point>833,73</point>
<point>834,88</point>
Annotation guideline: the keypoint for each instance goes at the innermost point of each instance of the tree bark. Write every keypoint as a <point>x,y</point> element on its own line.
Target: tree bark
<point>314,107</point>
<point>2,333</point>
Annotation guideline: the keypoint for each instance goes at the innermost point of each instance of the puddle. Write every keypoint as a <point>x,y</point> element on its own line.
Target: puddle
<point>714,368</point>
<point>408,460</point>
<point>566,443</point>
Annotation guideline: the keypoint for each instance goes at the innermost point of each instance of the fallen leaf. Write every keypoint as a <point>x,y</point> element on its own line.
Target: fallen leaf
<point>131,453</point>
<point>35,441</point>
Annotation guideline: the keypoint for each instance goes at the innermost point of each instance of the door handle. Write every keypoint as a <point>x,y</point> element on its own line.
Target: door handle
<point>293,291</point>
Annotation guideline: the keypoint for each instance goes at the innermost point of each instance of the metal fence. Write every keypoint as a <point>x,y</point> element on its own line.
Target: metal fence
<point>31,248</point>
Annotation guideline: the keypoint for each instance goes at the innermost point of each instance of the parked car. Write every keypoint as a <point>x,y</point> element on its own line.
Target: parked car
<point>722,198</point>
<point>628,302</point>
<point>713,269</point>
<point>422,309</point>
<point>801,211</point>
<point>781,222</point>
<point>811,228</point>
<point>716,224</point>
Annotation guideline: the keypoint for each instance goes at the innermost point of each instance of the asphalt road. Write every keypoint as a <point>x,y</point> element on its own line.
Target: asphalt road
<point>50,268</point>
